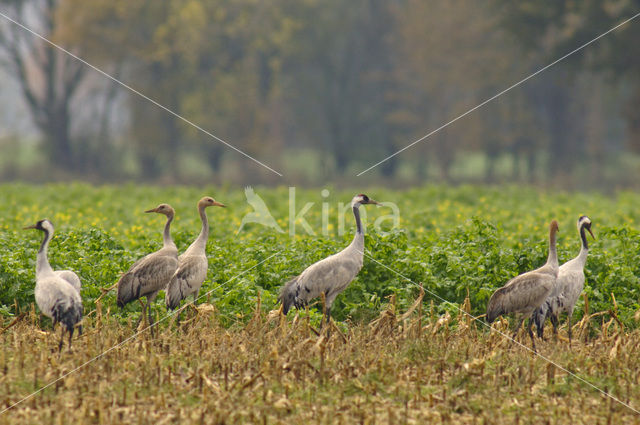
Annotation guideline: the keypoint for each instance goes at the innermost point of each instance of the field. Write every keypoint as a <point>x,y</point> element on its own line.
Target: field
<point>395,356</point>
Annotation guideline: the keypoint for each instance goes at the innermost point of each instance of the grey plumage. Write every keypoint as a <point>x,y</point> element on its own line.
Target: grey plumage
<point>70,277</point>
<point>331,275</point>
<point>56,297</point>
<point>569,285</point>
<point>193,263</point>
<point>526,292</point>
<point>152,273</point>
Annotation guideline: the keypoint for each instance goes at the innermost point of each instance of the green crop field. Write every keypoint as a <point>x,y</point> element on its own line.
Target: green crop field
<point>390,359</point>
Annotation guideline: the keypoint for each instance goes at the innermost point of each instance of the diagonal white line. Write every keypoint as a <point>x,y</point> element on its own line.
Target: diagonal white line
<point>175,114</point>
<point>132,337</point>
<point>492,329</point>
<point>500,93</point>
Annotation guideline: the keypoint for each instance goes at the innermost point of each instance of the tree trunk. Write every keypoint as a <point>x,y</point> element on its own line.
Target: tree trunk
<point>57,137</point>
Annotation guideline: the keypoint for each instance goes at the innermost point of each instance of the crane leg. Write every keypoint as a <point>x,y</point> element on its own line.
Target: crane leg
<point>533,343</point>
<point>554,322</point>
<point>61,339</point>
<point>144,306</point>
<point>327,316</point>
<point>150,317</point>
<point>70,336</point>
<point>569,330</point>
<point>515,333</point>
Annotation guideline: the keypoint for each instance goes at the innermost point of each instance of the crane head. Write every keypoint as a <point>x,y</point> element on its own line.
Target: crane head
<point>208,201</point>
<point>585,222</point>
<point>162,209</point>
<point>362,199</point>
<point>44,225</point>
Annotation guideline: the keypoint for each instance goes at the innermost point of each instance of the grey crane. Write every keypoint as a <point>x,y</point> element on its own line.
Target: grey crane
<point>56,297</point>
<point>152,273</point>
<point>193,264</point>
<point>568,286</point>
<point>331,275</point>
<point>526,292</point>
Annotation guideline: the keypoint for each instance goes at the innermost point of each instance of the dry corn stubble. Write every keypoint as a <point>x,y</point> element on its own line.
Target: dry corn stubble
<point>409,367</point>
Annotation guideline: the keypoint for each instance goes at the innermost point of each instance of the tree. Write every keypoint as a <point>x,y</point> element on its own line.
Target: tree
<point>340,71</point>
<point>49,79</point>
<point>550,29</point>
<point>215,62</point>
<point>454,56</point>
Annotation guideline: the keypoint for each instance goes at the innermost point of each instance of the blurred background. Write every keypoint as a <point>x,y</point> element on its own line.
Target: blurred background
<point>320,90</point>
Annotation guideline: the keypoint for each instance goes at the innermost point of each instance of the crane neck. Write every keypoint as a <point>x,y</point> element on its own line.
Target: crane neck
<point>356,213</point>
<point>583,237</point>
<point>584,247</point>
<point>201,241</point>
<point>42,262</point>
<point>166,235</point>
<point>553,255</point>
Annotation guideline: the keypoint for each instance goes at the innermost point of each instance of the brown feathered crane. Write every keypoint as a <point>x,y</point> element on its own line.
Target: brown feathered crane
<point>528,291</point>
<point>193,264</point>
<point>152,273</point>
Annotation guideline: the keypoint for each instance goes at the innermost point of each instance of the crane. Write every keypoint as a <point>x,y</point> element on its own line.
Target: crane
<point>192,264</point>
<point>329,276</point>
<point>568,286</point>
<point>526,292</point>
<point>57,298</point>
<point>147,276</point>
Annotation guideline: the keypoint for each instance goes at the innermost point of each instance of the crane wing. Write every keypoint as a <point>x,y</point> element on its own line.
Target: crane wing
<point>58,300</point>
<point>521,294</point>
<point>571,285</point>
<point>70,277</point>
<point>146,276</point>
<point>186,280</point>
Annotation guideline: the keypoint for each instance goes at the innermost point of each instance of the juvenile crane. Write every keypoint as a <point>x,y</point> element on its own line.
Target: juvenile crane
<point>56,297</point>
<point>331,275</point>
<point>568,286</point>
<point>193,264</point>
<point>526,292</point>
<point>152,273</point>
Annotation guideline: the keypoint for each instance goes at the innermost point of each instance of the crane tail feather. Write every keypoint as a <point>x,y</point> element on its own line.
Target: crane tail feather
<point>126,290</point>
<point>539,316</point>
<point>68,314</point>
<point>173,294</point>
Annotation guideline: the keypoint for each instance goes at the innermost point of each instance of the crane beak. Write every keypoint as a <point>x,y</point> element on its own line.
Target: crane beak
<point>33,226</point>
<point>590,232</point>
<point>152,210</point>
<point>219,204</point>
<point>374,202</point>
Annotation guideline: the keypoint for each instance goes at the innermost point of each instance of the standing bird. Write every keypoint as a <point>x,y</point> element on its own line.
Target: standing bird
<point>152,273</point>
<point>526,292</point>
<point>192,269</point>
<point>331,275</point>
<point>568,286</point>
<point>56,297</point>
